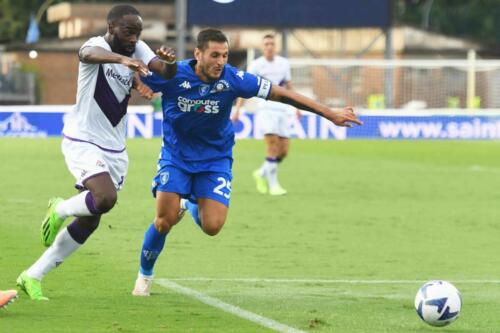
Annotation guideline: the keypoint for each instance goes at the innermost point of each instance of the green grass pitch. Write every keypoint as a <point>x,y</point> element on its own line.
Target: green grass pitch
<point>356,211</point>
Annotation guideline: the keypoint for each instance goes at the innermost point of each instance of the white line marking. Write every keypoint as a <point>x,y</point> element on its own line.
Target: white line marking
<point>217,303</point>
<point>332,281</point>
<point>479,168</point>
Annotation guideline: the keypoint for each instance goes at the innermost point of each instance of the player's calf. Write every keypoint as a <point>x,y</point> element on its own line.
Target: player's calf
<point>82,227</point>
<point>282,155</point>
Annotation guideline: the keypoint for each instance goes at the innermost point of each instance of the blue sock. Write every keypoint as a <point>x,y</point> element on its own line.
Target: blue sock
<point>193,209</point>
<point>151,249</point>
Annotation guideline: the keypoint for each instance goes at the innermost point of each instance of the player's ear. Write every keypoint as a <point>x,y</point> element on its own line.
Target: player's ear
<point>197,54</point>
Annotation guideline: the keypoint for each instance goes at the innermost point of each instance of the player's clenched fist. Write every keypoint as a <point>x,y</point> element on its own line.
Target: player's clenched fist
<point>167,54</point>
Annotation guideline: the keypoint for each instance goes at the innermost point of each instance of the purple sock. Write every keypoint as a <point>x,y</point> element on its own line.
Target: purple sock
<point>80,231</point>
<point>90,202</point>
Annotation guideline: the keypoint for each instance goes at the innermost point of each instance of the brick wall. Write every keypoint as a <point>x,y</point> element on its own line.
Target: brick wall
<point>58,72</point>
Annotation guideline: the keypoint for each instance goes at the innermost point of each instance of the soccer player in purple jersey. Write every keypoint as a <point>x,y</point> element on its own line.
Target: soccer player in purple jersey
<point>94,137</point>
<point>194,169</point>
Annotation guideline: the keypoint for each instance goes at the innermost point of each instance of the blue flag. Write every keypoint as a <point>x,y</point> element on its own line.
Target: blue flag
<point>33,34</point>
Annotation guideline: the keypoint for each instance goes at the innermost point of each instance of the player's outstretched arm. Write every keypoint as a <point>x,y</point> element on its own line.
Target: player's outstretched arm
<point>342,117</point>
<point>165,65</point>
<point>98,55</point>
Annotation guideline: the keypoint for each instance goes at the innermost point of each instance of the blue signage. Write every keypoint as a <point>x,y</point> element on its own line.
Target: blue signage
<point>148,124</point>
<point>290,13</point>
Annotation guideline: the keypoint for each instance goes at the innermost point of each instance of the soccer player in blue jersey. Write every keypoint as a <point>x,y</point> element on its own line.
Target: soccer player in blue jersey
<point>194,169</point>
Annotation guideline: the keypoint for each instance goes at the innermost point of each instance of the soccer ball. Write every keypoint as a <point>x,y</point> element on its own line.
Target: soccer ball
<point>438,303</point>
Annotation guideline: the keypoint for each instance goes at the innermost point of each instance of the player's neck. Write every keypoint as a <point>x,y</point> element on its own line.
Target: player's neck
<point>200,74</point>
<point>109,40</point>
<point>269,58</point>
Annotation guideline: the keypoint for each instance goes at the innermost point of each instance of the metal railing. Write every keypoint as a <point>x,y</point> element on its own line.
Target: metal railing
<point>17,87</point>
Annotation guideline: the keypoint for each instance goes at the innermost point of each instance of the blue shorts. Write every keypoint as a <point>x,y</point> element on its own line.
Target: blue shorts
<point>193,186</point>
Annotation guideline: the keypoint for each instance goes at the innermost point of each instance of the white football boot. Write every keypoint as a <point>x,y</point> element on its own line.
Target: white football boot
<point>143,285</point>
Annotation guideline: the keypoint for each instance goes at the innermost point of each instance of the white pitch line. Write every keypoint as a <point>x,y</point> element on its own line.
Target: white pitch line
<point>332,281</point>
<point>217,303</point>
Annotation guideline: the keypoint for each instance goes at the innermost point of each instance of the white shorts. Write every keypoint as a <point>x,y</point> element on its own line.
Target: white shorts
<point>275,122</point>
<point>86,160</point>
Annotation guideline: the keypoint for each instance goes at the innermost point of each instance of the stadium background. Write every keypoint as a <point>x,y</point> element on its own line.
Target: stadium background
<point>367,220</point>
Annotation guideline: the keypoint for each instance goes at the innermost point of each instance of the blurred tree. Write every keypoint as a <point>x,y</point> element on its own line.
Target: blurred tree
<point>15,16</point>
<point>475,19</point>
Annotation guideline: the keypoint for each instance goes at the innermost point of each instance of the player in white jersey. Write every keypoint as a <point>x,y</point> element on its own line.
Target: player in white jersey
<point>94,136</point>
<point>273,118</point>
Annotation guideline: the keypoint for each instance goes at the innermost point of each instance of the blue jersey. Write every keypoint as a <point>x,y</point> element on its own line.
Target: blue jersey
<point>197,132</point>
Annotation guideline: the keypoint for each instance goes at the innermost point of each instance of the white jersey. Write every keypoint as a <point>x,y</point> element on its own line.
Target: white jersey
<point>277,71</point>
<point>99,116</point>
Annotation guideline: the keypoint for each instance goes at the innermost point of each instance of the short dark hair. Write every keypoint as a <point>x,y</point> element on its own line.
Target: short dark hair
<point>268,36</point>
<point>208,35</point>
<point>119,11</point>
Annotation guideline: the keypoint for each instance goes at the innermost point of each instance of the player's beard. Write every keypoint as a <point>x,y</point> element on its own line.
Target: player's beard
<point>118,47</point>
<point>206,72</point>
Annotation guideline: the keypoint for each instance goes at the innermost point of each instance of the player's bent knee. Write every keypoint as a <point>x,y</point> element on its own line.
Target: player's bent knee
<point>211,231</point>
<point>163,224</point>
<point>213,227</point>
<point>104,203</point>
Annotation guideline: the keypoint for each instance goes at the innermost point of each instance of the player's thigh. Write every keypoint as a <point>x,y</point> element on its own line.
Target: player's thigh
<point>101,185</point>
<point>169,185</point>
<point>213,185</point>
<point>213,215</point>
<point>86,161</point>
<point>172,179</point>
<point>213,192</point>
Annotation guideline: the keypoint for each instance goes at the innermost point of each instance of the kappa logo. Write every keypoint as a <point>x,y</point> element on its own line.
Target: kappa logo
<point>241,74</point>
<point>185,85</point>
<point>150,255</point>
<point>100,164</point>
<point>204,89</point>
<point>18,125</point>
<point>220,86</point>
